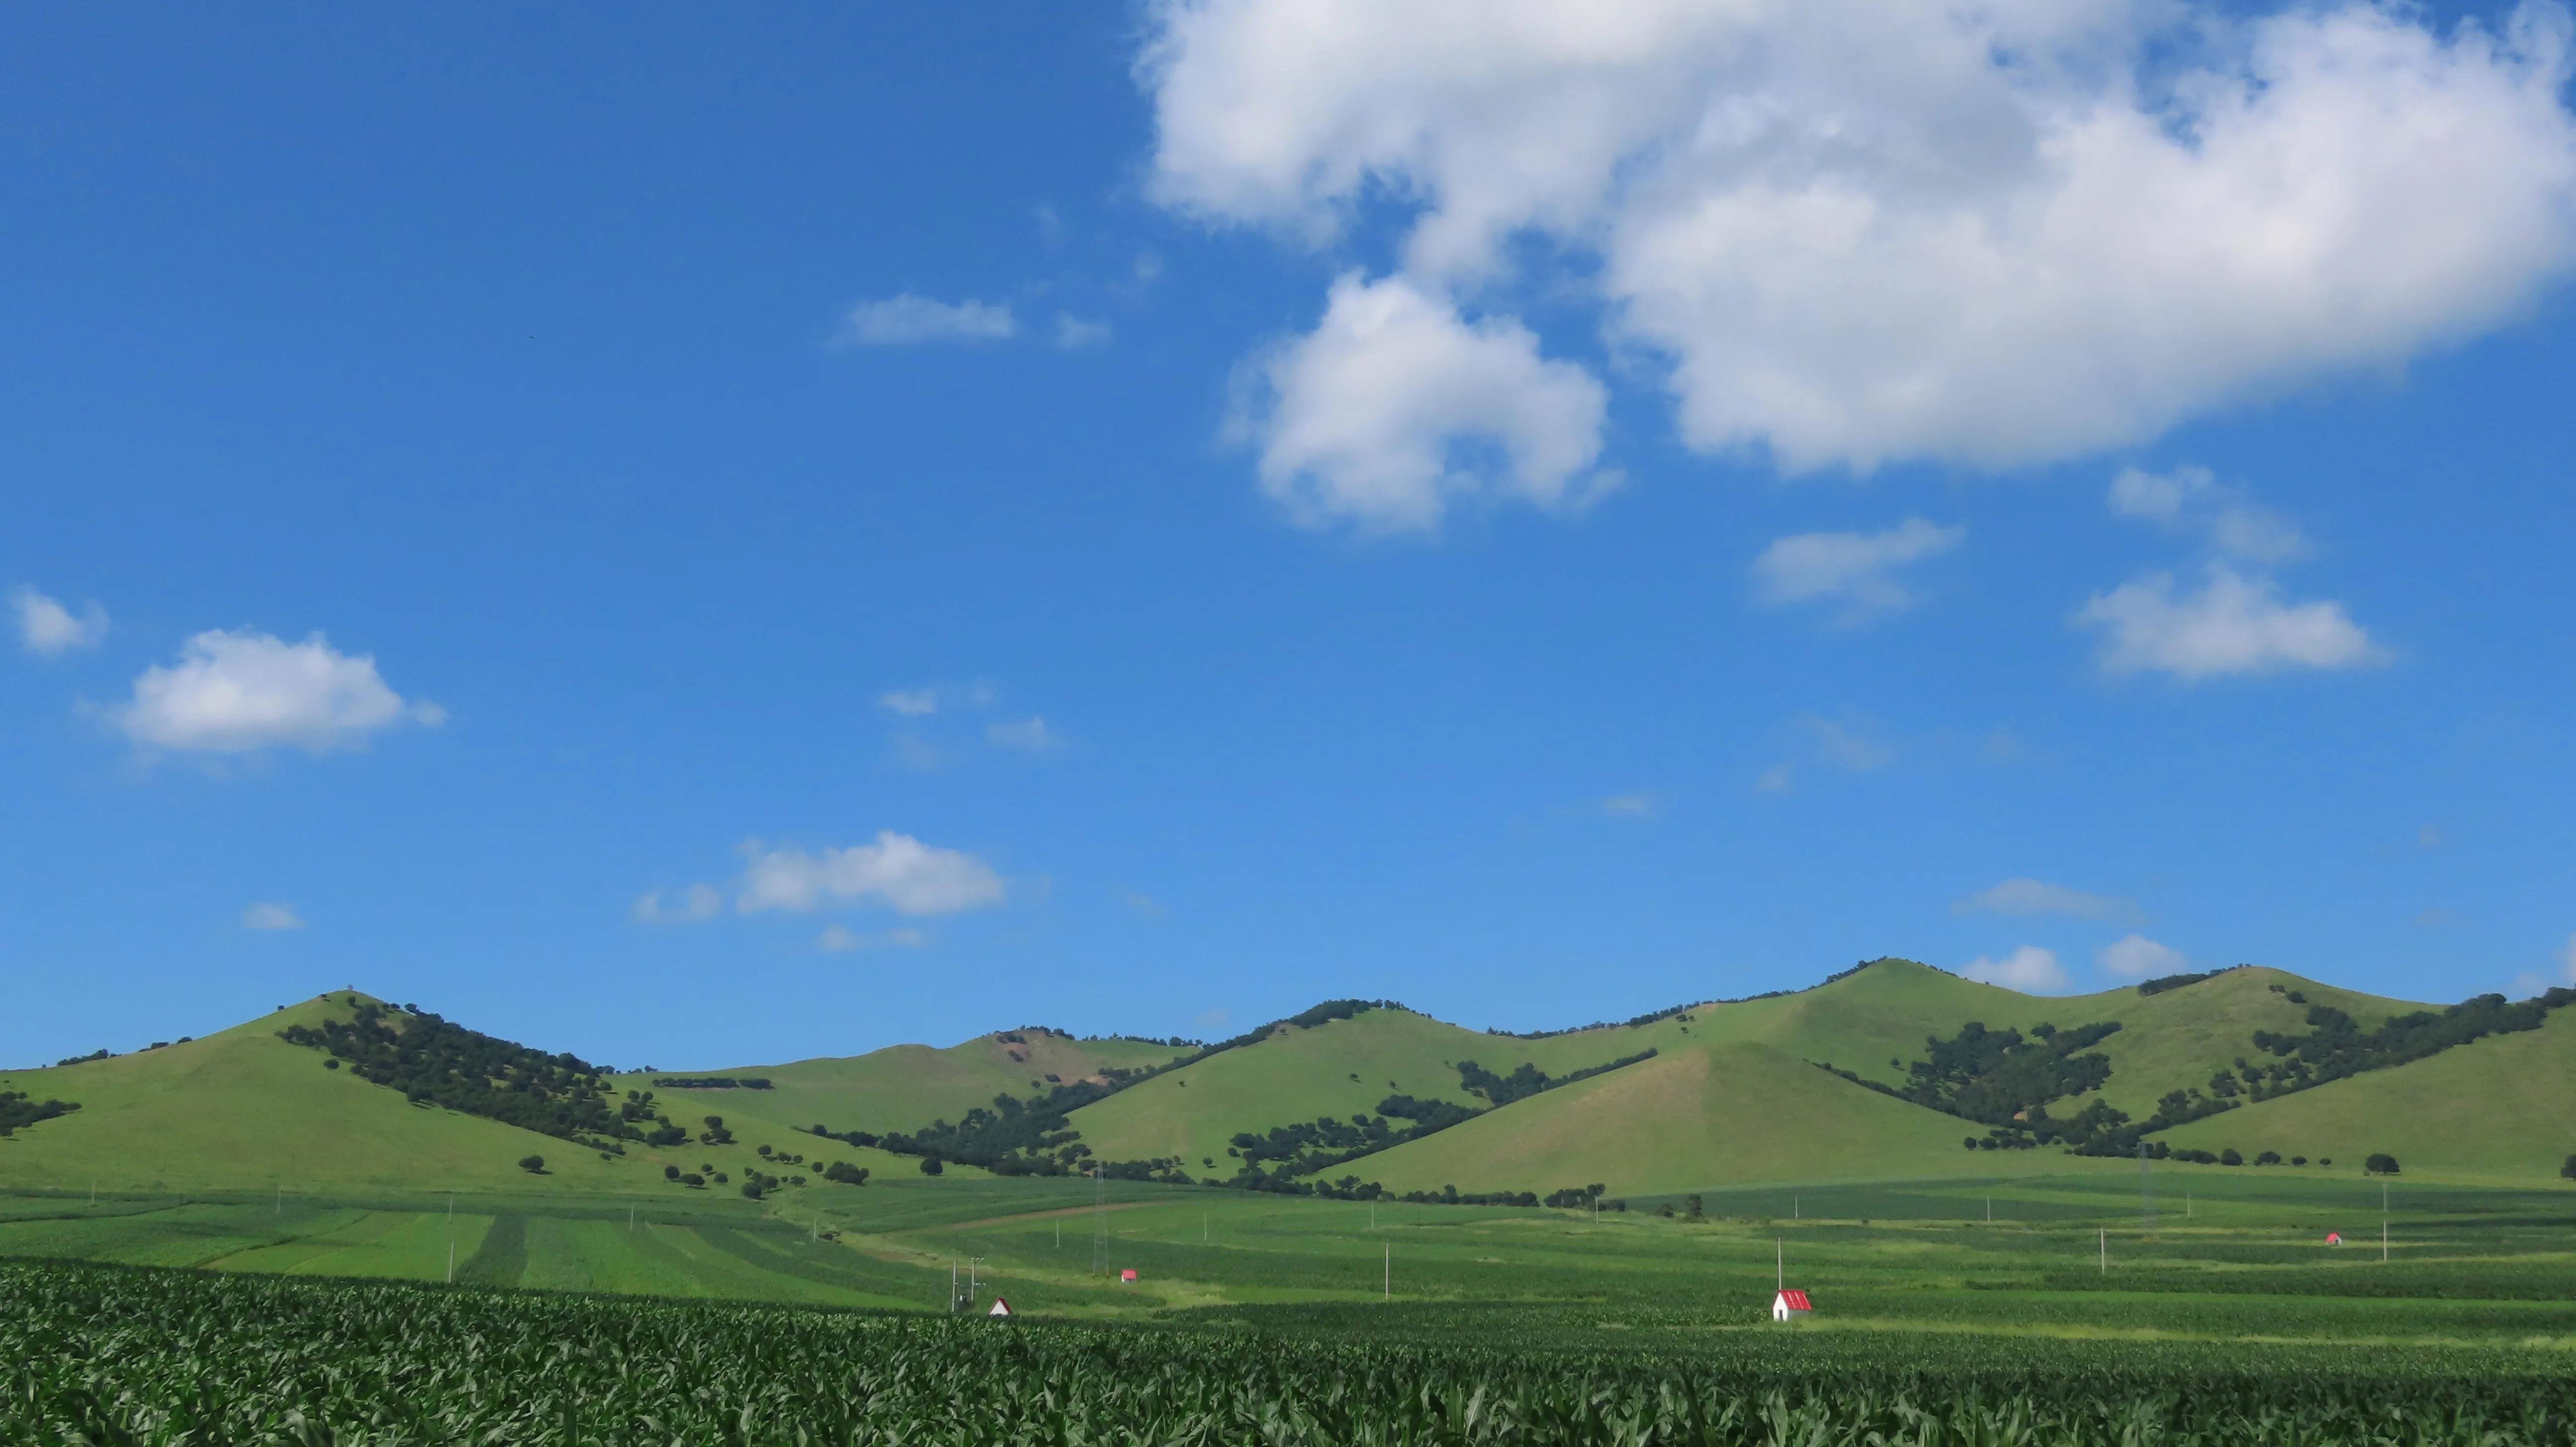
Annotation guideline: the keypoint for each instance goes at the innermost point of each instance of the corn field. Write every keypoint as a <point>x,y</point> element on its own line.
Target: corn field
<point>104,1355</point>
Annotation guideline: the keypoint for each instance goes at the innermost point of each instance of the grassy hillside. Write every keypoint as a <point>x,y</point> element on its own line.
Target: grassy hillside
<point>2502,1109</point>
<point>902,1087</point>
<point>1713,1115</point>
<point>242,1109</point>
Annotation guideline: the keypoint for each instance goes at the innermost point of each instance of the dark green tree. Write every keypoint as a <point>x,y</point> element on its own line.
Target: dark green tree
<point>2380,1164</point>
<point>533,1165</point>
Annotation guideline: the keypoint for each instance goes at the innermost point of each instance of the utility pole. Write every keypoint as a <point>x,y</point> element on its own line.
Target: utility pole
<point>952,1286</point>
<point>1386,1282</point>
<point>1099,1220</point>
<point>1797,1212</point>
<point>451,1261</point>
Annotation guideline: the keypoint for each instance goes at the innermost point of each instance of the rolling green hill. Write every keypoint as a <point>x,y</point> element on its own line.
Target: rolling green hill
<point>243,1109</point>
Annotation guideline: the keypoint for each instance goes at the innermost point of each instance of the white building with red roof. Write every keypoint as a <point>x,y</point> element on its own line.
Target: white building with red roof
<point>1790,1305</point>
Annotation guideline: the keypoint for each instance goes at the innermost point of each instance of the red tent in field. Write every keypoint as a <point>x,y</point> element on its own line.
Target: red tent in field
<point>2334,1238</point>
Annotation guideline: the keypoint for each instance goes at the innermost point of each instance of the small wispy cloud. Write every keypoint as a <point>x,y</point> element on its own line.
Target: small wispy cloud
<point>910,702</point>
<point>1851,747</point>
<point>1631,806</point>
<point>269,916</point>
<point>1028,736</point>
<point>47,628</point>
<point>1073,334</point>
<point>2191,500</point>
<point>1857,570</point>
<point>2032,896</point>
<point>908,318</point>
<point>2232,624</point>
<point>695,905</point>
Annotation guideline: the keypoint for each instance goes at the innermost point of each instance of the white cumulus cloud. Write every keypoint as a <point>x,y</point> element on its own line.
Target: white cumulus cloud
<point>2030,969</point>
<point>907,318</point>
<point>267,916</point>
<point>2235,623</point>
<point>2031,896</point>
<point>896,870</point>
<point>910,702</point>
<point>2135,957</point>
<point>241,692</point>
<point>1864,230</point>
<point>46,627</point>
<point>1855,569</point>
<point>1395,406</point>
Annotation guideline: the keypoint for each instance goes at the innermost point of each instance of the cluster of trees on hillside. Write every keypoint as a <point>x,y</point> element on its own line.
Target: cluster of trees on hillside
<point>1308,1148</point>
<point>2005,1082</point>
<point>17,1109</point>
<point>711,1082</point>
<point>83,1059</point>
<point>1529,1080</point>
<point>434,1062</point>
<point>2162,983</point>
<point>2334,1046</point>
<point>2003,1079</point>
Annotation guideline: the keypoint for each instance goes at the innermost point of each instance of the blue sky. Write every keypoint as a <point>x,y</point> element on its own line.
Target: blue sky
<point>713,540</point>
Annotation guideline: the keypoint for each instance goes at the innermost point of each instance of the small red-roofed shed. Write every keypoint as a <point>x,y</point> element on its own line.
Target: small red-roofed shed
<point>1790,1306</point>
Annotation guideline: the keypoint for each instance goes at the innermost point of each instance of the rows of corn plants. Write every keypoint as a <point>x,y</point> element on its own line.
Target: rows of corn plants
<point>92,1354</point>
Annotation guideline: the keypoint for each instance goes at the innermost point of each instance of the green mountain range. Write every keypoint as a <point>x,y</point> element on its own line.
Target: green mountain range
<point>1890,1071</point>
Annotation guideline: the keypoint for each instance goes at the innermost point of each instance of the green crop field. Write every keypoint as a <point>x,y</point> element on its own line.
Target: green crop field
<point>2069,1317</point>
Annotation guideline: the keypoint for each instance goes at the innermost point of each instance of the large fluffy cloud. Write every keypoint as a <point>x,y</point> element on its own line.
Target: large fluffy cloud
<point>1395,404</point>
<point>240,692</point>
<point>896,870</point>
<point>1992,234</point>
